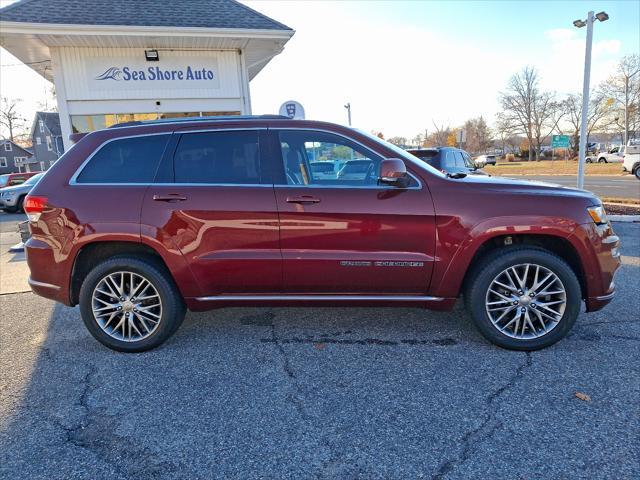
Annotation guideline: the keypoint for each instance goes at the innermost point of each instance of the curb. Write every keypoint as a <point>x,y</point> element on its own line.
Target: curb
<point>18,247</point>
<point>624,218</point>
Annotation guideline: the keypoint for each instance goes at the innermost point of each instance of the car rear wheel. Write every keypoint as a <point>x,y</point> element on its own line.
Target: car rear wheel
<point>523,298</point>
<point>602,160</point>
<point>20,204</point>
<point>636,172</point>
<point>130,304</point>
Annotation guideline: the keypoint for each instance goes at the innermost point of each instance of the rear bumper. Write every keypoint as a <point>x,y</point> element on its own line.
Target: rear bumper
<point>49,277</point>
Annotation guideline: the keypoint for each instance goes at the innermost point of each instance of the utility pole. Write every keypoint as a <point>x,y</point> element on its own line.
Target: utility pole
<point>348,107</point>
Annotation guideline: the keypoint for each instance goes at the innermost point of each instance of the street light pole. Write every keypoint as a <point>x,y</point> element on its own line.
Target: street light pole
<point>348,107</point>
<point>585,101</point>
<point>591,18</point>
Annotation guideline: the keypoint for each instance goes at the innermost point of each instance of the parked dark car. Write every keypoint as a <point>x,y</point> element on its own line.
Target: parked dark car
<point>449,160</point>
<point>140,222</point>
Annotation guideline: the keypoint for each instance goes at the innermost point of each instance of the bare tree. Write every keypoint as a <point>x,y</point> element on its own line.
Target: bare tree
<point>624,89</point>
<point>478,135</point>
<point>398,141</point>
<point>440,135</point>
<point>528,110</point>
<point>600,109</point>
<point>10,118</point>
<point>547,113</point>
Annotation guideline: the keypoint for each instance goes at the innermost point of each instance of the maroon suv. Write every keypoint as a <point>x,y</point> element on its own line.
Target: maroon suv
<point>139,222</point>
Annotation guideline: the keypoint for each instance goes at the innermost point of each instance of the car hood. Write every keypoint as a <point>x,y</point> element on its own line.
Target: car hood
<point>531,187</point>
<point>16,189</point>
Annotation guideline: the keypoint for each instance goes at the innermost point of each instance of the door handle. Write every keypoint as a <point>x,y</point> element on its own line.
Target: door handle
<point>303,199</point>
<point>171,197</point>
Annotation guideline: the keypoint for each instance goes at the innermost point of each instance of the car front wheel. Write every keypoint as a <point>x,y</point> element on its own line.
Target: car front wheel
<point>130,304</point>
<point>636,172</point>
<point>523,298</point>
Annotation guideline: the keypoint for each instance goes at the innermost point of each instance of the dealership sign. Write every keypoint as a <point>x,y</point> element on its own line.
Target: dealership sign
<point>129,74</point>
<point>135,73</point>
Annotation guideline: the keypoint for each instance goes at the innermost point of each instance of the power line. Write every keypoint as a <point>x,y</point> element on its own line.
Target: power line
<point>25,64</point>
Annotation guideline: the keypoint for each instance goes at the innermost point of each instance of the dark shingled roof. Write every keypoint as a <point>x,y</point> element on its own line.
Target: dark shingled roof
<point>153,13</point>
<point>52,121</point>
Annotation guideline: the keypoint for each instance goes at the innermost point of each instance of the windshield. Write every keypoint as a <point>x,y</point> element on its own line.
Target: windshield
<point>33,180</point>
<point>3,180</point>
<point>400,153</point>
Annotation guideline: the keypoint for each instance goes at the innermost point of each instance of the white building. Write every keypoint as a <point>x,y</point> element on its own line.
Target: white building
<point>122,60</point>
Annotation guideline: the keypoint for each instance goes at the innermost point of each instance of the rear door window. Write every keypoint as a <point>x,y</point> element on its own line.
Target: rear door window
<point>225,157</point>
<point>125,160</point>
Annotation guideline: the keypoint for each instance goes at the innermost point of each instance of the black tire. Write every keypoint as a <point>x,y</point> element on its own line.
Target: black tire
<point>489,267</point>
<point>636,172</point>
<point>20,204</point>
<point>173,307</point>
<point>602,160</point>
<point>588,160</point>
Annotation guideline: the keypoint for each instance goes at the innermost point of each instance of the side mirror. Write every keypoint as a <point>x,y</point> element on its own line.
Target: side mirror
<point>394,172</point>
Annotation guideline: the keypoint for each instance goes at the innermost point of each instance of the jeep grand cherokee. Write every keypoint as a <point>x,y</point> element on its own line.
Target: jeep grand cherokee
<point>138,222</point>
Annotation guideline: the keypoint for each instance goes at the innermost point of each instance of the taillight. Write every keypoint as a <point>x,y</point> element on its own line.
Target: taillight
<point>33,207</point>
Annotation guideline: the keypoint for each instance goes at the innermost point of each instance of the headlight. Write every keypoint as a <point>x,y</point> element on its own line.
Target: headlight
<point>598,215</point>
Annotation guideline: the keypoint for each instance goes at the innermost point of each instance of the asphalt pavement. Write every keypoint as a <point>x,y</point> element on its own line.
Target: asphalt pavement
<point>627,186</point>
<point>335,393</point>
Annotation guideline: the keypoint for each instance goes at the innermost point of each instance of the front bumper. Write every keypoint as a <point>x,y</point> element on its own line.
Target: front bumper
<point>600,261</point>
<point>8,202</point>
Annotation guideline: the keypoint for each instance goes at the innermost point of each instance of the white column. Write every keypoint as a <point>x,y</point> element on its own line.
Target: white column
<point>61,96</point>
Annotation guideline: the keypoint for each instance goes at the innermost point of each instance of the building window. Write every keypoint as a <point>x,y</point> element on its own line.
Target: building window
<point>3,162</point>
<point>38,141</point>
<point>49,144</point>
<point>19,160</point>
<point>7,147</point>
<point>89,123</point>
<point>41,123</point>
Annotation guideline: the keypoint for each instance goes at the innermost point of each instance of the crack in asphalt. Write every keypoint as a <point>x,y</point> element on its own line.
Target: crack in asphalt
<point>95,433</point>
<point>441,342</point>
<point>477,435</point>
<point>296,398</point>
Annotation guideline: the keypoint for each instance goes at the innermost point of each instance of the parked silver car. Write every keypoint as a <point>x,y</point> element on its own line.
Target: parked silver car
<point>11,198</point>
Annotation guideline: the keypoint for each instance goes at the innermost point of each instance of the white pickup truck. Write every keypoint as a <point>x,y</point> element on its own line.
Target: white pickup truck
<point>613,155</point>
<point>631,162</point>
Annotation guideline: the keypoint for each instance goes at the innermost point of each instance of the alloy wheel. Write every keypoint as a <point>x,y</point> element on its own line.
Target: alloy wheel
<point>126,306</point>
<point>526,301</point>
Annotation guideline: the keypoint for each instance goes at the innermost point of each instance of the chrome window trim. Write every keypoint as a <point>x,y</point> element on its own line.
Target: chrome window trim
<point>74,178</point>
<point>398,298</point>
<point>73,181</point>
<point>372,187</point>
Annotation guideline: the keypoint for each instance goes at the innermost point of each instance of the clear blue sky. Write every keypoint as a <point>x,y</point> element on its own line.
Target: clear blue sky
<point>509,25</point>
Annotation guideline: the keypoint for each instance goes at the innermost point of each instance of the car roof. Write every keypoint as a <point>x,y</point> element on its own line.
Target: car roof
<point>209,119</point>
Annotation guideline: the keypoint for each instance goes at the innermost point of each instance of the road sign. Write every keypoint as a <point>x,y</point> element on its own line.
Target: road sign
<point>560,141</point>
<point>292,109</point>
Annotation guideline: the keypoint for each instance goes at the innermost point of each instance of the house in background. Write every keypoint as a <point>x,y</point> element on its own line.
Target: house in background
<point>46,136</point>
<point>15,159</point>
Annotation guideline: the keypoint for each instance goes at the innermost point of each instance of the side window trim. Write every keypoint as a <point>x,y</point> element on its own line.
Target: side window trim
<point>74,178</point>
<point>276,156</point>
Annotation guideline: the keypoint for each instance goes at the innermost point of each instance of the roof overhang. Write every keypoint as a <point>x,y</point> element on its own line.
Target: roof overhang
<point>30,42</point>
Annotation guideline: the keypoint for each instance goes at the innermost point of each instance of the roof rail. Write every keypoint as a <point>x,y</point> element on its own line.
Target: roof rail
<point>199,119</point>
